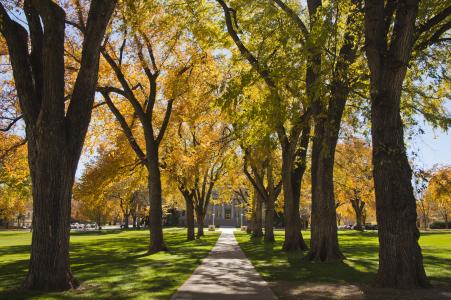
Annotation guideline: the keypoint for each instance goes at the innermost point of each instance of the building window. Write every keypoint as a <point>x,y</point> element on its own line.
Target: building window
<point>228,214</point>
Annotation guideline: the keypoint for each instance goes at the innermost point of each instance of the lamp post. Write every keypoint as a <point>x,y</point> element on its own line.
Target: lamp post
<point>241,220</point>
<point>213,219</point>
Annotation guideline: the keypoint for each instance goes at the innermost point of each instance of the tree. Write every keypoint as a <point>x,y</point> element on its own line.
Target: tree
<point>196,154</point>
<point>159,79</point>
<point>424,207</point>
<point>265,191</point>
<point>393,31</point>
<point>294,138</point>
<point>112,182</point>
<point>55,131</point>
<point>198,160</point>
<point>438,193</point>
<point>15,183</point>
<point>353,179</point>
<point>327,114</point>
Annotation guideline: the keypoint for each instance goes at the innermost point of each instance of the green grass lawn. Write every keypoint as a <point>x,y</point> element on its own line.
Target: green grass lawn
<point>360,266</point>
<point>110,264</point>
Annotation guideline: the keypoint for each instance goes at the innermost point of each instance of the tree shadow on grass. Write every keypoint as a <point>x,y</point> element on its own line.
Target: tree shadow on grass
<point>275,264</point>
<point>97,232</point>
<point>292,277</point>
<point>116,266</point>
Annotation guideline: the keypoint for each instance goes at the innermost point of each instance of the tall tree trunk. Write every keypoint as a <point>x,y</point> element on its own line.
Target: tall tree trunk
<point>269,220</point>
<point>324,241</point>
<point>200,223</point>
<point>271,195</point>
<point>138,217</point>
<point>257,228</point>
<point>156,212</point>
<point>49,267</point>
<point>55,132</point>
<point>400,258</point>
<point>189,218</point>
<point>294,240</point>
<point>253,217</point>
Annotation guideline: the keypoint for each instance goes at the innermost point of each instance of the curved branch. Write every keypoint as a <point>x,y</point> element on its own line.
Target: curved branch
<point>10,125</point>
<point>294,16</point>
<point>436,37</point>
<point>434,20</point>
<point>165,123</point>
<point>261,70</point>
<point>124,125</point>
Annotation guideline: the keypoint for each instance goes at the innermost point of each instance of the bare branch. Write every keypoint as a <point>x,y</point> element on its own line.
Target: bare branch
<point>10,125</point>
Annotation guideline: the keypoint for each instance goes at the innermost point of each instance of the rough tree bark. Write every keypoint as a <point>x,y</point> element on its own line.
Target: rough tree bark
<point>294,240</point>
<point>257,230</point>
<point>253,217</point>
<point>55,135</point>
<point>157,243</point>
<point>200,217</point>
<point>390,35</point>
<point>272,191</point>
<point>188,196</point>
<point>190,221</point>
<point>300,165</point>
<point>269,222</point>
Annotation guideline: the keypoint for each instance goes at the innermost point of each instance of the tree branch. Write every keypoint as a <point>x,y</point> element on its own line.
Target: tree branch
<point>165,123</point>
<point>127,89</point>
<point>125,127</point>
<point>261,70</point>
<point>294,16</point>
<point>17,41</point>
<point>82,98</point>
<point>434,20</point>
<point>435,38</point>
<point>10,125</point>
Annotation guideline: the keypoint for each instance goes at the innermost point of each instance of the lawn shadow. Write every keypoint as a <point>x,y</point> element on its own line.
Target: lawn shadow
<point>292,277</point>
<point>115,265</point>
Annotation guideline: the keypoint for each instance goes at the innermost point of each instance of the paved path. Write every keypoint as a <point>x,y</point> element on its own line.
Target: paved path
<point>225,274</point>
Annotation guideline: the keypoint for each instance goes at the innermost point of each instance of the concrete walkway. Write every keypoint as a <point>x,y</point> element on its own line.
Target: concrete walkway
<point>225,274</point>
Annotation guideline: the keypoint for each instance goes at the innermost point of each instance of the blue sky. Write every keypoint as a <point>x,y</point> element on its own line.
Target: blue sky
<point>434,147</point>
